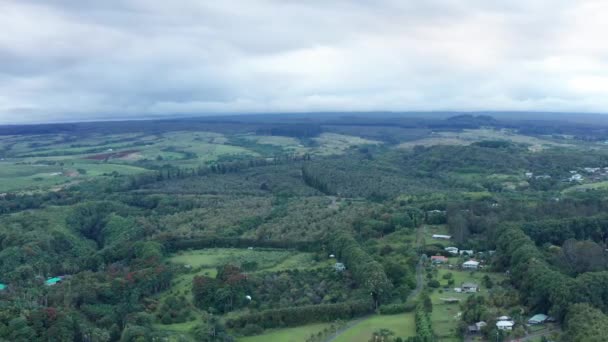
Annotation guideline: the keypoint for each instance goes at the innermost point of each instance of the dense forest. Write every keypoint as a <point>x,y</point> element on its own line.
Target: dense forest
<point>231,229</point>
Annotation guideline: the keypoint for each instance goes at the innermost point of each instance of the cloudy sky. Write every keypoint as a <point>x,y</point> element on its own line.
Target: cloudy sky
<point>84,59</point>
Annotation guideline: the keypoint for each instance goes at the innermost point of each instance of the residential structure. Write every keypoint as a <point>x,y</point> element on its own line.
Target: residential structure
<point>469,287</point>
<point>441,237</point>
<point>53,281</point>
<point>339,267</point>
<point>466,251</point>
<point>439,259</point>
<point>470,265</point>
<point>451,250</point>
<point>505,325</point>
<point>538,319</point>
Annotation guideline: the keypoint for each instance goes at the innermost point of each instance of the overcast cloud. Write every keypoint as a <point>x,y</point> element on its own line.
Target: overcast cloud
<point>83,59</point>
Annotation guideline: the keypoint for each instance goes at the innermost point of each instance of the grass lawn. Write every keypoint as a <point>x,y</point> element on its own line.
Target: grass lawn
<point>275,260</point>
<point>438,229</point>
<point>206,261</point>
<point>402,325</point>
<point>445,316</point>
<point>297,334</point>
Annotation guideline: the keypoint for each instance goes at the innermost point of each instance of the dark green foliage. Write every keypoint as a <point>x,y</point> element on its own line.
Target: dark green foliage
<point>174,310</point>
<point>424,329</point>
<point>585,324</point>
<point>392,309</point>
<point>367,273</point>
<point>288,317</point>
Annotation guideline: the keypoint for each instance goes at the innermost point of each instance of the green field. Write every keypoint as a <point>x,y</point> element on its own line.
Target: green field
<point>206,261</point>
<point>402,325</point>
<point>445,316</point>
<point>332,143</point>
<point>589,186</point>
<point>14,177</point>
<point>469,136</point>
<point>298,334</point>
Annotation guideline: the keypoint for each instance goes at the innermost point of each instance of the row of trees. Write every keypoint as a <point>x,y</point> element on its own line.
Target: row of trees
<point>288,317</point>
<point>367,272</point>
<point>547,290</point>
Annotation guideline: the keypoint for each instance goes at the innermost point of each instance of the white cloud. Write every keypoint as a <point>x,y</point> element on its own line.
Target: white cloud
<point>83,59</point>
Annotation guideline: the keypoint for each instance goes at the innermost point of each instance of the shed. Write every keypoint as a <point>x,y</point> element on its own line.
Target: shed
<point>442,237</point>
<point>2,287</point>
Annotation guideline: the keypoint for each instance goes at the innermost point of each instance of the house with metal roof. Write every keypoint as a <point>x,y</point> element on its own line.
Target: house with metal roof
<point>53,281</point>
<point>538,319</point>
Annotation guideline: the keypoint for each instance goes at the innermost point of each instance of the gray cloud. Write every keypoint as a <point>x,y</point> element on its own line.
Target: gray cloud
<point>62,59</point>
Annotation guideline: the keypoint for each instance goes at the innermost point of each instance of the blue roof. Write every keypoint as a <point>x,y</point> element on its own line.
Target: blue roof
<point>2,286</point>
<point>52,281</point>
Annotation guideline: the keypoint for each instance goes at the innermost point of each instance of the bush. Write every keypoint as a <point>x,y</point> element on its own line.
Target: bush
<point>252,329</point>
<point>392,309</point>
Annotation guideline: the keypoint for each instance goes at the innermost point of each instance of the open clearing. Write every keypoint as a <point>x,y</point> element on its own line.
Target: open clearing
<point>469,136</point>
<point>402,325</point>
<point>332,143</point>
<point>297,334</point>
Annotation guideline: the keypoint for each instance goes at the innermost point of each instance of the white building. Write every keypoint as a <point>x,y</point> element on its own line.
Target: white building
<point>441,237</point>
<point>470,265</point>
<point>466,251</point>
<point>451,250</point>
<point>505,325</point>
<point>576,178</point>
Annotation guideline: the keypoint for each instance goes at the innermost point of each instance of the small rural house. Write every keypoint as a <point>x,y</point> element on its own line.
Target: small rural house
<point>469,287</point>
<point>505,325</point>
<point>441,237</point>
<point>475,328</point>
<point>53,281</point>
<point>438,259</point>
<point>451,250</point>
<point>339,267</point>
<point>466,252</point>
<point>2,287</point>
<point>538,319</point>
<point>471,265</point>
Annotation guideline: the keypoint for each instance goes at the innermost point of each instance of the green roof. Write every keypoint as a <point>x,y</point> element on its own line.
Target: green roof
<point>52,281</point>
<point>2,286</point>
<point>539,318</point>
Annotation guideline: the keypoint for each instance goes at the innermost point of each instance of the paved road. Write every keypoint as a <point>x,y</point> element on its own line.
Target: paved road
<point>419,266</point>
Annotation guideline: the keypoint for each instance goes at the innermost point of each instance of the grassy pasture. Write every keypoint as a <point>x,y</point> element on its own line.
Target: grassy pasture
<point>402,325</point>
<point>332,143</point>
<point>297,334</point>
<point>445,316</point>
<point>15,177</point>
<point>206,261</point>
<point>469,136</point>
